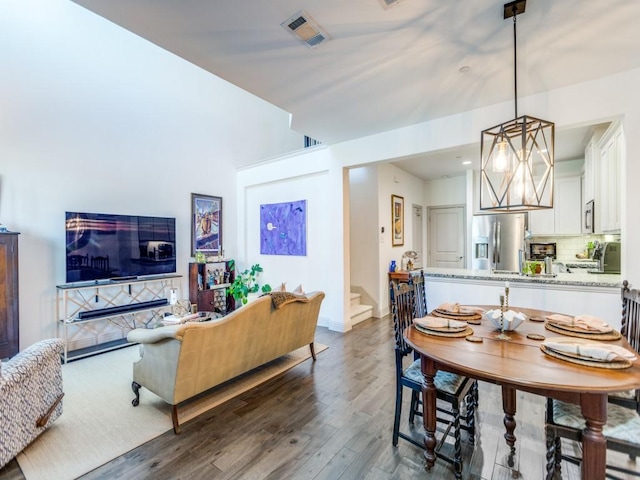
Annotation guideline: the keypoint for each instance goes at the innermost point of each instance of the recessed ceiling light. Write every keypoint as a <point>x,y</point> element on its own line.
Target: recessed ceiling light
<point>464,69</point>
<point>467,162</point>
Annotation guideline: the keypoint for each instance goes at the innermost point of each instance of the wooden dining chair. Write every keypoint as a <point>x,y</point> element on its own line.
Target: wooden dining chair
<point>622,430</point>
<point>451,388</point>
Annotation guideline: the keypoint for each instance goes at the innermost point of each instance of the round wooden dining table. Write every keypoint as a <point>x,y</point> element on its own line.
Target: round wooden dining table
<point>520,364</point>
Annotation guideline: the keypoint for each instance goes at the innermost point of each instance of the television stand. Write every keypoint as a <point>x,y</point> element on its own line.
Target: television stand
<point>96,318</point>
<point>123,279</point>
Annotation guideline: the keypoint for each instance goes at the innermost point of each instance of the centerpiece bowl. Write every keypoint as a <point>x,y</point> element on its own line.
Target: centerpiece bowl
<point>511,319</point>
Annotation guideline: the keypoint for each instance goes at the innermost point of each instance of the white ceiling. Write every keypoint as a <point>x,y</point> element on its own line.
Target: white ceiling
<point>383,69</point>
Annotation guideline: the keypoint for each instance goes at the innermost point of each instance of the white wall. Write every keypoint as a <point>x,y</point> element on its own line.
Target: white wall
<point>365,235</point>
<point>445,192</point>
<point>315,177</point>
<point>97,119</point>
<point>393,181</point>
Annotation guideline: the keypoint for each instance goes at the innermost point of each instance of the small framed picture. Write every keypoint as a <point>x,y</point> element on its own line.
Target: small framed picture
<point>206,229</point>
<point>397,220</point>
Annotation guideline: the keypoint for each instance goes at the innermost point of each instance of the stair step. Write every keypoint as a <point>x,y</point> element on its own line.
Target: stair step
<point>355,299</point>
<point>360,313</point>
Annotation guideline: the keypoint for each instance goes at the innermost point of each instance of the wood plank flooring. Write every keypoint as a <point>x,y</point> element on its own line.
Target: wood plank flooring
<point>331,419</point>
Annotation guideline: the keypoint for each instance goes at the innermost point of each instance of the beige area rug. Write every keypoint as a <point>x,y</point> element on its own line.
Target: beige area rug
<point>99,423</point>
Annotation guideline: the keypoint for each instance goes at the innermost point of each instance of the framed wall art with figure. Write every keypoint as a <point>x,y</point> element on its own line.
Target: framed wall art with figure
<point>206,229</point>
<point>397,220</point>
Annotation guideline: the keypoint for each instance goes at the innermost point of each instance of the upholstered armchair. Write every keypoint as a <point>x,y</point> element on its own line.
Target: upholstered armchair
<point>30,396</point>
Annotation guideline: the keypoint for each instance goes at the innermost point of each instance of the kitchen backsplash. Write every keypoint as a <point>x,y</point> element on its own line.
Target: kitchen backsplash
<point>568,247</point>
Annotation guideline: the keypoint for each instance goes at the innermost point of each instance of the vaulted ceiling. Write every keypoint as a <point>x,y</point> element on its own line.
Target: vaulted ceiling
<point>384,67</point>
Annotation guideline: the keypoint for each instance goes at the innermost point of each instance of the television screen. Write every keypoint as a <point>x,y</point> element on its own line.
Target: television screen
<point>103,246</point>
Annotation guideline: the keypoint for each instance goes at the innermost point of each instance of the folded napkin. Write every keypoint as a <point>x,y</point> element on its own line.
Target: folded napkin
<point>593,350</point>
<point>449,307</point>
<point>584,322</point>
<point>439,323</point>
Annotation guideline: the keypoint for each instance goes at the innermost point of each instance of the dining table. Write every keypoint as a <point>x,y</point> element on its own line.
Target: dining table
<point>518,363</point>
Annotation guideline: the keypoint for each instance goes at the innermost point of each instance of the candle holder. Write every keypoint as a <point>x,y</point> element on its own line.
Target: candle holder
<point>504,300</point>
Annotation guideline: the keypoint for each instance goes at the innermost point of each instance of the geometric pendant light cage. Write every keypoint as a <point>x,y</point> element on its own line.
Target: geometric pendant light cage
<point>517,157</point>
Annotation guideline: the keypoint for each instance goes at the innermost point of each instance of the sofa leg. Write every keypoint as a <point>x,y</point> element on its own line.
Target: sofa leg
<point>136,389</point>
<point>42,421</point>
<point>313,351</point>
<point>174,419</point>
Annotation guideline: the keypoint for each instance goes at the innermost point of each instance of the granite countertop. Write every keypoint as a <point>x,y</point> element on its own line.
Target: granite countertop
<point>584,279</point>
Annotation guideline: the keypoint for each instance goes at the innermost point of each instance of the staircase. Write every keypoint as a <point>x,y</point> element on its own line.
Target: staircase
<point>359,312</point>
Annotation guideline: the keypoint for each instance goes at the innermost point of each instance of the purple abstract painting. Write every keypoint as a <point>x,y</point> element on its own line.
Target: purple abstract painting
<point>283,228</point>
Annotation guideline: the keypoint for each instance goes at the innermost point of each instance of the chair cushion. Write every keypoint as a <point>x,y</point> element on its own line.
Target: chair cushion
<point>445,381</point>
<point>622,423</point>
<point>629,394</point>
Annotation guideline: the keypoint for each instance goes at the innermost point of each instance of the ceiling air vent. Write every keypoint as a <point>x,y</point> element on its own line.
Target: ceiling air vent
<point>389,3</point>
<point>304,28</point>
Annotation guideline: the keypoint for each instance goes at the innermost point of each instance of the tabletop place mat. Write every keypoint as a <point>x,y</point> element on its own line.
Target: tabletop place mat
<point>617,365</point>
<point>442,333</point>
<point>456,316</point>
<point>612,335</point>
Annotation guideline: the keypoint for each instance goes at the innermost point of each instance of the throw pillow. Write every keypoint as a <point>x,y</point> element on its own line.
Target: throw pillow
<point>299,290</point>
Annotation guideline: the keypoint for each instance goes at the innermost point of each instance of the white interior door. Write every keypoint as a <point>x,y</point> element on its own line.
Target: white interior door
<point>447,237</point>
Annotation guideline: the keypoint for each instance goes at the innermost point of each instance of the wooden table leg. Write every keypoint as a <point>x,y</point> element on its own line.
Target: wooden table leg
<point>429,410</point>
<point>509,408</point>
<point>594,445</point>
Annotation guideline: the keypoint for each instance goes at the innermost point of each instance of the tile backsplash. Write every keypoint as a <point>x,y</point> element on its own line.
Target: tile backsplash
<point>567,247</point>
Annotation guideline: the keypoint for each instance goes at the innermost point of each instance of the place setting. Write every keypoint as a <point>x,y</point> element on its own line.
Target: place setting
<point>581,326</point>
<point>442,327</point>
<point>589,353</point>
<point>458,312</point>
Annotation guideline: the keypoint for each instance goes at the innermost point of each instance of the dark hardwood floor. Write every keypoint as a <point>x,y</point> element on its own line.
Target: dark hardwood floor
<point>331,419</point>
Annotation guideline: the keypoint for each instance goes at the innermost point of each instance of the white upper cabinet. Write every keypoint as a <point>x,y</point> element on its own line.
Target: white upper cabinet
<point>611,149</point>
<point>565,218</point>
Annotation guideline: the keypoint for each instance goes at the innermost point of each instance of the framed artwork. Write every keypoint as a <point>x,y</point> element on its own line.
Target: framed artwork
<point>397,220</point>
<point>206,228</point>
<point>283,228</point>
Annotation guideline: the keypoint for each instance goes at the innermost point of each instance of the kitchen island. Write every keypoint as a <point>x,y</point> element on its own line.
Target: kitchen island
<point>570,293</point>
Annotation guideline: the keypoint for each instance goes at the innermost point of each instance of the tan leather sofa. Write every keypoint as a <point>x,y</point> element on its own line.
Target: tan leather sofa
<point>180,361</point>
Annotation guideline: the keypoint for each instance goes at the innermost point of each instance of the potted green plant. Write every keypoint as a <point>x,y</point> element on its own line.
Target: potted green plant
<point>246,282</point>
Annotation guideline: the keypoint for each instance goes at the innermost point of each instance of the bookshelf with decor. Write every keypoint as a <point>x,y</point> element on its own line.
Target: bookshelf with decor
<point>209,284</point>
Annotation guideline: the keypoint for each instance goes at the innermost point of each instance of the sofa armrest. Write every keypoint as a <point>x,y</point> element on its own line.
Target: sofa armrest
<point>154,335</point>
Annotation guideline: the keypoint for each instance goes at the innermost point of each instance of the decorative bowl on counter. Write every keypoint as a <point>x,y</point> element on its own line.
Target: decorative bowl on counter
<point>512,319</point>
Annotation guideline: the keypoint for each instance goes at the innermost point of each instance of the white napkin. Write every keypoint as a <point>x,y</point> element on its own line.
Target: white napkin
<point>439,323</point>
<point>584,322</point>
<point>592,350</point>
<point>449,307</point>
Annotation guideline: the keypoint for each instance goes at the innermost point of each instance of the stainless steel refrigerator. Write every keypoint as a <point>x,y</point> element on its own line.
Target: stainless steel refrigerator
<point>497,241</point>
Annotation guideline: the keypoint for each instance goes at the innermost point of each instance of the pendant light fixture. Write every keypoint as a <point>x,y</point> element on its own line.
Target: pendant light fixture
<point>517,156</point>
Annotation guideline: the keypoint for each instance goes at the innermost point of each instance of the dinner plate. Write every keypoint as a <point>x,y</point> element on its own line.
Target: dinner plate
<point>569,328</point>
<point>464,312</point>
<point>443,329</point>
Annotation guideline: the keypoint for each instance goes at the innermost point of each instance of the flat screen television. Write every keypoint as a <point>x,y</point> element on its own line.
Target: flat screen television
<point>105,246</point>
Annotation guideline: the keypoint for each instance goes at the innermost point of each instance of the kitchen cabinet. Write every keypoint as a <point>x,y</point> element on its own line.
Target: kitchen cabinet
<point>612,151</point>
<point>591,156</point>
<point>565,218</point>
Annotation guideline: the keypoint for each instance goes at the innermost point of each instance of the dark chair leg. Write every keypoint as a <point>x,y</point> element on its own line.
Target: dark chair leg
<point>414,406</point>
<point>558,462</point>
<point>313,351</point>
<point>457,459</point>
<point>470,400</point>
<point>136,389</point>
<point>396,418</point>
<point>551,452</point>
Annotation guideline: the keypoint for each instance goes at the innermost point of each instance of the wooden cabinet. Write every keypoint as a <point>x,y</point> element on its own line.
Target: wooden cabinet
<point>611,150</point>
<point>9,321</point>
<point>209,286</point>
<point>565,218</point>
